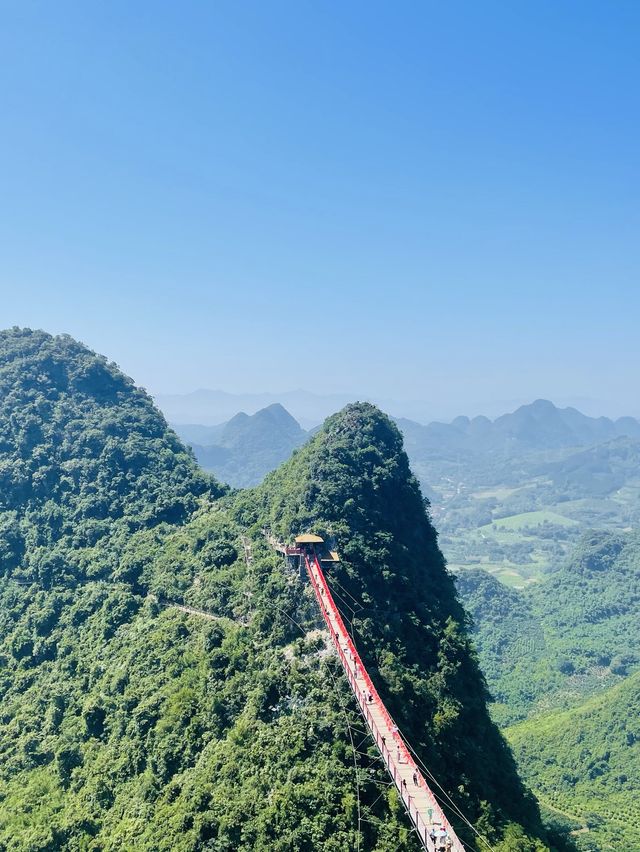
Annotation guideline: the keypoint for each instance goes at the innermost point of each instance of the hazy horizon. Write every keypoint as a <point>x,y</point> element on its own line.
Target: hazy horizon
<point>423,202</point>
<point>310,409</point>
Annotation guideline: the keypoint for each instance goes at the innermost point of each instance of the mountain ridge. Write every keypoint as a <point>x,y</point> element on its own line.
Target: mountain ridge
<point>399,557</point>
<point>537,425</point>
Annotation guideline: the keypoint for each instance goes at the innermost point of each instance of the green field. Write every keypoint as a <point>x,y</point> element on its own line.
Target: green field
<point>529,519</point>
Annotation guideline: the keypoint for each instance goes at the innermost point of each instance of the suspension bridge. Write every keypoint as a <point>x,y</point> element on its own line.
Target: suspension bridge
<point>430,822</point>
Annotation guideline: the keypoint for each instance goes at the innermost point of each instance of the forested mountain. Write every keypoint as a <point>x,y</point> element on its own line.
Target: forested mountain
<point>84,456</point>
<point>242,451</point>
<point>585,764</point>
<point>397,596</point>
<point>129,723</point>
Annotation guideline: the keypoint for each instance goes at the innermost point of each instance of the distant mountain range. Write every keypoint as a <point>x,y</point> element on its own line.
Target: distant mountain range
<point>537,426</point>
<point>242,450</point>
<point>596,471</point>
<point>211,407</point>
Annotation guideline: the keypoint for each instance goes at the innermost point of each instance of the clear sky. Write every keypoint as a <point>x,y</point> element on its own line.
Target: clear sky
<point>409,199</point>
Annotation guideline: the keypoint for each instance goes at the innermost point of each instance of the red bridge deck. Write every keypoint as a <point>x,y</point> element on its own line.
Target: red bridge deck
<point>421,804</point>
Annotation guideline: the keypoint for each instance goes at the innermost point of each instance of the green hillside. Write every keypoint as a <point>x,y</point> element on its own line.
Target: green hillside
<point>585,763</point>
<point>528,519</point>
<point>129,723</point>
<point>242,451</point>
<point>398,597</point>
<point>511,644</point>
<point>85,460</point>
<point>571,635</point>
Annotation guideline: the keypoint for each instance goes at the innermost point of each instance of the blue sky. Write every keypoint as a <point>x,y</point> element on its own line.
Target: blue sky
<point>410,200</point>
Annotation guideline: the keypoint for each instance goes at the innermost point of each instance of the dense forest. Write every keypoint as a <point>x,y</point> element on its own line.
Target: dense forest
<point>85,461</point>
<point>165,682</point>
